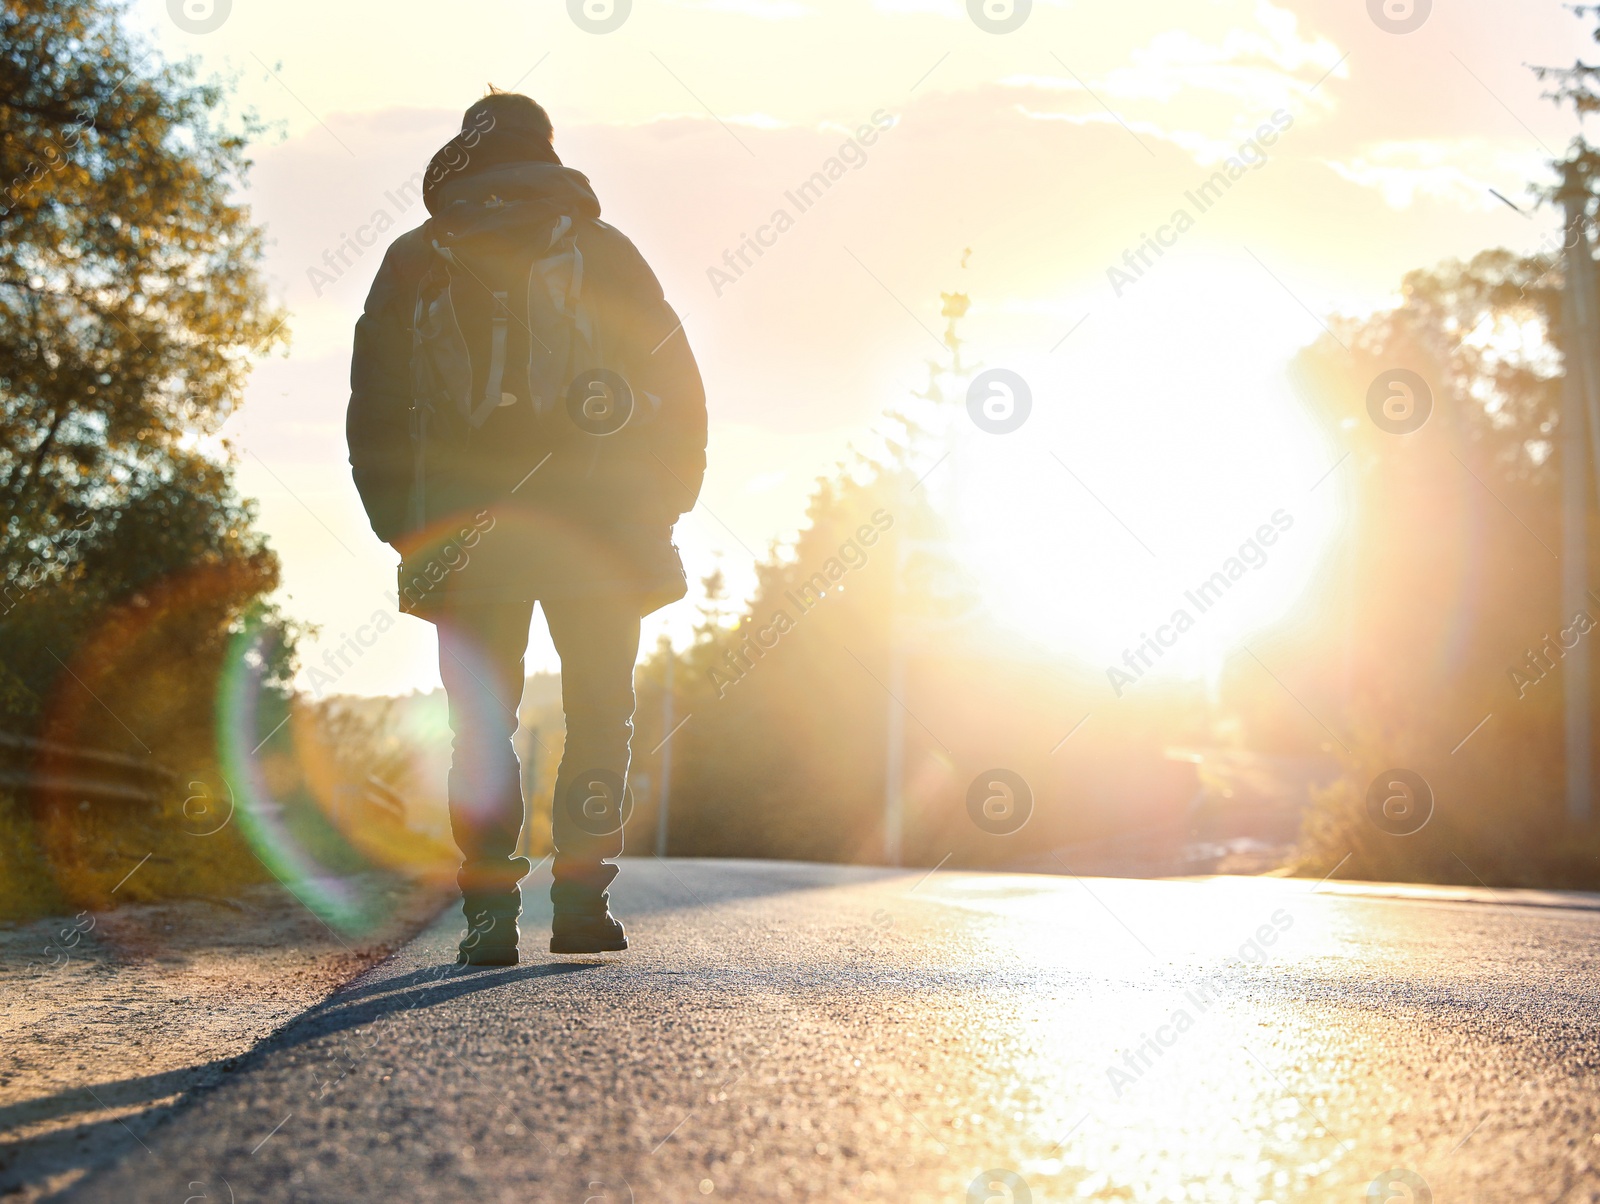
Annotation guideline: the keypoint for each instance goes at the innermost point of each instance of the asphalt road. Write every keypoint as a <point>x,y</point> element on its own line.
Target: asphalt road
<point>799,1032</point>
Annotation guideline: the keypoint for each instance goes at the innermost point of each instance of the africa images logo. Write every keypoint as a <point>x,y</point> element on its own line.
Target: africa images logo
<point>199,16</point>
<point>1399,16</point>
<point>599,16</point>
<point>998,401</point>
<point>999,16</point>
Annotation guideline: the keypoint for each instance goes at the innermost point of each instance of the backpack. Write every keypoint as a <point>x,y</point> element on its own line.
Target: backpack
<point>508,351</point>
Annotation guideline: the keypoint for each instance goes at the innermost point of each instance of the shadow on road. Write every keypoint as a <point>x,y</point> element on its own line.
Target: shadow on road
<point>153,1097</point>
<point>89,1116</point>
<point>368,1003</point>
<point>93,1117</point>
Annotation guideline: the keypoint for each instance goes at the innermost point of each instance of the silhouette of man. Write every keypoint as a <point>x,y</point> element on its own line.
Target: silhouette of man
<point>526,424</point>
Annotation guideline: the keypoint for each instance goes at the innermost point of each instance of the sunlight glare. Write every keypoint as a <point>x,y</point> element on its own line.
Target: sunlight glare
<point>1165,446</point>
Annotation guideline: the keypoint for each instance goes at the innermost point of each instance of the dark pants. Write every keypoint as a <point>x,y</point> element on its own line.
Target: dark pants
<point>481,647</point>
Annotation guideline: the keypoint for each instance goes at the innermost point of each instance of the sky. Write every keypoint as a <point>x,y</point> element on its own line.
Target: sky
<point>1026,168</point>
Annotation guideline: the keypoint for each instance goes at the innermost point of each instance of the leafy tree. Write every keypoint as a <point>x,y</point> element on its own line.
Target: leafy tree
<point>131,304</point>
<point>131,301</point>
<point>1455,580</point>
<point>1579,84</point>
<point>784,755</point>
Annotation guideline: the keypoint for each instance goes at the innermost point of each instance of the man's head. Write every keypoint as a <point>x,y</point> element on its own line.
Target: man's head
<point>512,113</point>
<point>502,128</point>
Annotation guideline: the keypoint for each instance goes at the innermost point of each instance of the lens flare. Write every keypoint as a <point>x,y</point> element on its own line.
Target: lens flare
<point>249,723</point>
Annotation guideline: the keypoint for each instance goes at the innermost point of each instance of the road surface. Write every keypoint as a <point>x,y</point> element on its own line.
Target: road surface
<point>801,1032</point>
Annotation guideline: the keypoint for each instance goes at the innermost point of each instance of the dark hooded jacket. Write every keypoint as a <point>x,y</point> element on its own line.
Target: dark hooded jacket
<point>596,523</point>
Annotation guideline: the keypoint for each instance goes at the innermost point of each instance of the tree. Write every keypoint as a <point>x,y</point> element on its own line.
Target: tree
<point>783,757</point>
<point>131,301</point>
<point>1447,613</point>
<point>131,304</point>
<point>1579,84</point>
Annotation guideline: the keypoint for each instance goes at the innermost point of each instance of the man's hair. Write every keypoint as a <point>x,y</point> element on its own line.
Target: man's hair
<point>513,111</point>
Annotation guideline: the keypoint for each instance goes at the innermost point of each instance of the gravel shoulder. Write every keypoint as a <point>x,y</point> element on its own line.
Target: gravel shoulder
<point>109,1021</point>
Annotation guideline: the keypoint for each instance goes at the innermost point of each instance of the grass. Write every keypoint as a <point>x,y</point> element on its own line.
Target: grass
<point>62,857</point>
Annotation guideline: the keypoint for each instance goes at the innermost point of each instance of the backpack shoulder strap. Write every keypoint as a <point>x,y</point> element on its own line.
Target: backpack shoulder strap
<point>492,396</point>
<point>555,288</point>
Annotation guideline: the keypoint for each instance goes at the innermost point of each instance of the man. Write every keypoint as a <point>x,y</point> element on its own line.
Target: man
<point>526,424</point>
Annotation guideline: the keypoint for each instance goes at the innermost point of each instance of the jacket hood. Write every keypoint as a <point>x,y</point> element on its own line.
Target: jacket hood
<point>562,188</point>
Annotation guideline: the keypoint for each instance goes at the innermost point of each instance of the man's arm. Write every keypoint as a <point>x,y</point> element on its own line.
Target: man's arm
<point>377,424</point>
<point>682,433</point>
<point>662,363</point>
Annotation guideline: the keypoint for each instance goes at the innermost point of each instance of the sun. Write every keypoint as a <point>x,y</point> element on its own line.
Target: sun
<point>1167,497</point>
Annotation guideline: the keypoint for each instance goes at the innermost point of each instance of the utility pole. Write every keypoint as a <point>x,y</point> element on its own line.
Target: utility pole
<point>1580,423</point>
<point>894,769</point>
<point>664,795</point>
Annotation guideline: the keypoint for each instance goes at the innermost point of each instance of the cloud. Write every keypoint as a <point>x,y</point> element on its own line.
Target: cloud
<point>955,10</point>
<point>762,10</point>
<point>952,9</point>
<point>1203,96</point>
<point>1455,171</point>
<point>1268,64</point>
<point>1101,117</point>
<point>758,121</point>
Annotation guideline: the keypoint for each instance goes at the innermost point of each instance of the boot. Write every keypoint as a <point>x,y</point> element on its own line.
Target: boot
<point>491,938</point>
<point>582,920</point>
<point>491,902</point>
